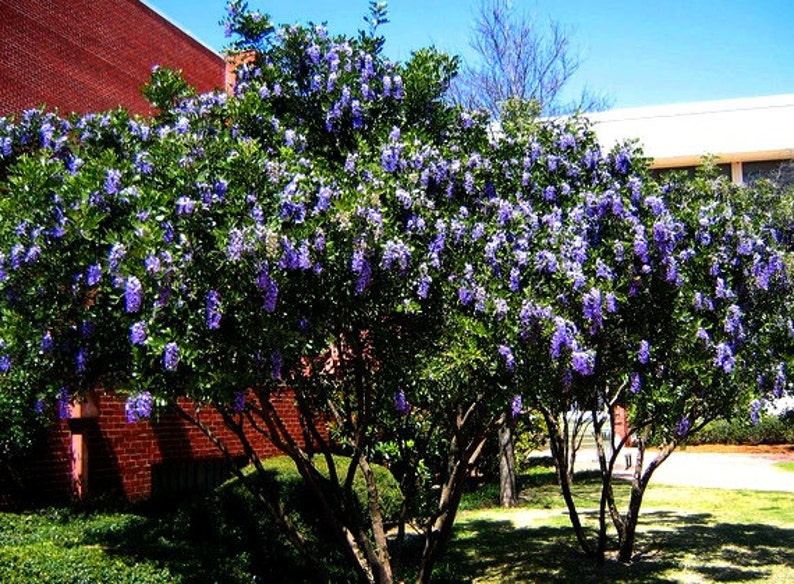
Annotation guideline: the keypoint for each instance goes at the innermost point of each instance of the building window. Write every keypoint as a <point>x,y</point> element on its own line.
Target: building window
<point>780,172</point>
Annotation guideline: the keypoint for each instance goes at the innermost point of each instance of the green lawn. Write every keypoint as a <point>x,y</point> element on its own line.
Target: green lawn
<point>786,465</point>
<point>685,535</point>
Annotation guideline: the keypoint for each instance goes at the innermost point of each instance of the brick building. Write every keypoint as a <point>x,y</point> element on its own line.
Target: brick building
<point>93,55</point>
<point>86,56</point>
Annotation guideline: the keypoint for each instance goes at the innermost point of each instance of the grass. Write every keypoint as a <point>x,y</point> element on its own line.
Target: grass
<point>786,465</point>
<point>685,535</point>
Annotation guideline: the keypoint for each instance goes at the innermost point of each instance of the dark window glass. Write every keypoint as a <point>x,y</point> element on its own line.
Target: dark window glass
<point>780,172</point>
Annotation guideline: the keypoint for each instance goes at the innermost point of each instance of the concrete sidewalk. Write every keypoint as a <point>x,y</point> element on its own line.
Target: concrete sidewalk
<point>697,469</point>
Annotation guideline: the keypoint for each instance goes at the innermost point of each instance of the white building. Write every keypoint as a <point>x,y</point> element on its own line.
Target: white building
<point>750,138</point>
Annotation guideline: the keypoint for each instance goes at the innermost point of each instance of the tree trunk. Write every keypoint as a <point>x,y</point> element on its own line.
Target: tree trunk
<point>638,485</point>
<point>559,452</point>
<point>507,467</point>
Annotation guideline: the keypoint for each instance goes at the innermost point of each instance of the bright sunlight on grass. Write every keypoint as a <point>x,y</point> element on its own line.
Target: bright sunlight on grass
<point>685,535</point>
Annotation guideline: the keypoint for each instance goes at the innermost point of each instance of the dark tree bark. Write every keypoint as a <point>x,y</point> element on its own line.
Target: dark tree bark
<point>508,497</point>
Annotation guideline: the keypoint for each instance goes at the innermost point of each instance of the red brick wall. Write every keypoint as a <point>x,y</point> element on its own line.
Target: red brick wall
<point>121,456</point>
<point>93,55</point>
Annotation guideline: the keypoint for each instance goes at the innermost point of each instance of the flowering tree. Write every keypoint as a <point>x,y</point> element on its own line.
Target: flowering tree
<point>294,235</point>
<point>335,228</point>
<point>603,289</point>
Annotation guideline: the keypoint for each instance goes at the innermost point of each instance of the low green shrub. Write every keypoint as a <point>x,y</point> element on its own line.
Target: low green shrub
<point>234,520</point>
<point>55,546</point>
<point>768,430</point>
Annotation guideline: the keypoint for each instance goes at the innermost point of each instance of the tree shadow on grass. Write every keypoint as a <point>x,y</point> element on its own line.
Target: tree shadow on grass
<point>671,546</point>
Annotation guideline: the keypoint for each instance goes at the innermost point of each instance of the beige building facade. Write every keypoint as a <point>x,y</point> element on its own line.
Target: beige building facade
<point>750,138</point>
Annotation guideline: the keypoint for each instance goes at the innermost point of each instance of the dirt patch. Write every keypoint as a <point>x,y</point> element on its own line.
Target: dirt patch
<point>783,451</point>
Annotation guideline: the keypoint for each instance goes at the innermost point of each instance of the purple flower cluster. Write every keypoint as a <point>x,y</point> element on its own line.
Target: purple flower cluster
<point>133,294</point>
<point>516,406</point>
<point>138,333</point>
<point>171,356</point>
<point>401,404</point>
<point>138,407</point>
<point>644,352</point>
<point>213,309</point>
<point>724,359</point>
<point>269,287</point>
<point>507,353</point>
<point>361,266</point>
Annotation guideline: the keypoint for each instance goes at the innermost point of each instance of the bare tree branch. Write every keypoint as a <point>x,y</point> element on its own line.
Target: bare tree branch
<point>520,58</point>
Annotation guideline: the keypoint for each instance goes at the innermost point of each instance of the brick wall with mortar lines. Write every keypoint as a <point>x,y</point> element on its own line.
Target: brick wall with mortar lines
<point>93,55</point>
<point>121,457</point>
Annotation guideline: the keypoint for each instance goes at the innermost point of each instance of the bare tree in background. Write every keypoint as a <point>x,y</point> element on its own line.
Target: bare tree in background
<point>521,59</point>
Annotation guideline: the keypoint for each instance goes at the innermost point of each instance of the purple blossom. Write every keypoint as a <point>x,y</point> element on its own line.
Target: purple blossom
<point>324,195</point>
<point>240,398</point>
<point>396,252</point>
<point>112,181</point>
<point>87,328</point>
<point>724,358</point>
<point>270,288</point>
<point>546,262</point>
<point>350,163</point>
<point>47,342</point>
<point>603,271</point>
<point>636,382</point>
<point>682,429</point>
<point>563,337</point>
<point>423,286</point>
<point>644,352</point>
<point>133,294</point>
<point>364,275</point>
<point>276,363</point>
<point>152,265</point>
<point>703,336</point>
<point>138,333</point>
<point>116,254</point>
<point>623,161</point>
<point>515,279</point>
<point>401,404</point>
<point>171,356</point>
<point>733,323</point>
<point>755,409</point>
<point>234,248</point>
<point>721,290</point>
<point>516,406</point>
<point>358,118</point>
<point>610,302</point>
<point>5,362</point>
<point>138,407</point>
<point>185,205</point>
<point>63,403</point>
<point>81,359</point>
<point>583,362</point>
<point>591,307</point>
<point>213,309</point>
<point>510,361</point>
<point>656,204</point>
<point>93,275</point>
<point>780,380</point>
<point>500,307</point>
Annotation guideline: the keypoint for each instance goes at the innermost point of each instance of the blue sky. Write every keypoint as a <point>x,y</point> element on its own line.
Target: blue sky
<point>636,53</point>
